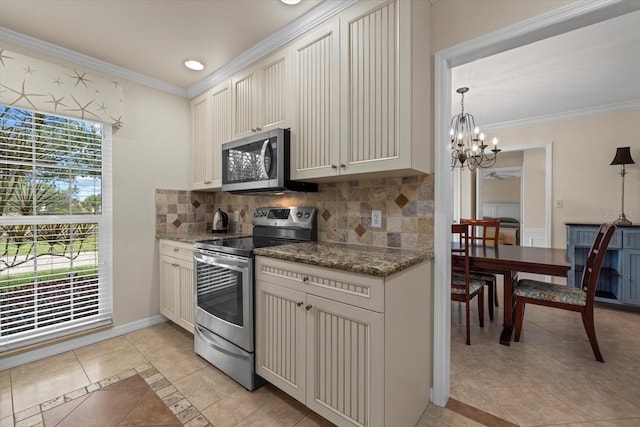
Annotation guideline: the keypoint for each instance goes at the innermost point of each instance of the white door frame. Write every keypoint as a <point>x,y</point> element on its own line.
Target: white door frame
<point>548,187</point>
<point>480,186</point>
<point>562,20</point>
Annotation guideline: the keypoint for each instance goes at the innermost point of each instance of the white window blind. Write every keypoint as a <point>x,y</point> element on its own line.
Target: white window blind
<point>55,227</point>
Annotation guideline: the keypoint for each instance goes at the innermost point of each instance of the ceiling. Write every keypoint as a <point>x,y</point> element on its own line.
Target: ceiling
<point>592,69</point>
<point>572,73</point>
<point>153,37</point>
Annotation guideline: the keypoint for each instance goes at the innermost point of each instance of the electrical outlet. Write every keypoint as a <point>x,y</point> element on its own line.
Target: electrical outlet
<point>236,216</point>
<point>376,218</point>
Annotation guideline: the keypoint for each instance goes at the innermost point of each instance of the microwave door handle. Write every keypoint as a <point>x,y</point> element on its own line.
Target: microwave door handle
<point>263,152</point>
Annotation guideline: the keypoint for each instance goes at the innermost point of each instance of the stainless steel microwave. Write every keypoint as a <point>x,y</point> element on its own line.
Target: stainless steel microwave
<point>260,163</point>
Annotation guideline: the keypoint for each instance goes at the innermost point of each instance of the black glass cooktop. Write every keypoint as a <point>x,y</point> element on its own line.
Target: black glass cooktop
<point>242,246</point>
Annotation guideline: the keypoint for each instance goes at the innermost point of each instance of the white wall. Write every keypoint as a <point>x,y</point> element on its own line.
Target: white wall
<point>534,175</point>
<point>150,151</point>
<point>590,189</point>
<point>457,21</point>
<point>501,191</point>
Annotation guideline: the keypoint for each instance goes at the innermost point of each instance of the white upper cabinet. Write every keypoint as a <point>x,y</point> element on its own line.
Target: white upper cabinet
<point>210,128</point>
<point>258,96</point>
<point>315,135</point>
<point>355,92</point>
<point>362,92</point>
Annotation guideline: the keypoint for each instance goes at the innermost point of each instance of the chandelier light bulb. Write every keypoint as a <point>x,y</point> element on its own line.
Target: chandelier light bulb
<point>494,141</point>
<point>468,147</point>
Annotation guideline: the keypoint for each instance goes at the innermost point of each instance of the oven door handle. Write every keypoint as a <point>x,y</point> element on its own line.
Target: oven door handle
<point>224,262</point>
<point>218,343</point>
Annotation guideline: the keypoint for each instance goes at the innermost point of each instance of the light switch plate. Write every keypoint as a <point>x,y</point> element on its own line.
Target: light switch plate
<point>376,218</point>
<point>236,216</point>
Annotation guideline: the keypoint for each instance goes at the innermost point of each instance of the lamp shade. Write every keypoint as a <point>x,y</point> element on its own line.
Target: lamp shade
<point>623,156</point>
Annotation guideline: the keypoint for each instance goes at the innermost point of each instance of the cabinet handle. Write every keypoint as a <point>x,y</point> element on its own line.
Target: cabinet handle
<point>207,182</point>
<point>299,304</point>
<point>342,165</point>
<point>174,265</point>
<point>253,129</point>
<point>334,167</point>
<point>308,307</point>
<point>258,128</point>
<point>305,279</point>
<point>176,249</point>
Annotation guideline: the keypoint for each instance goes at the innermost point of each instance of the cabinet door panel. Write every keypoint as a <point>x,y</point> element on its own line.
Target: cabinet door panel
<point>220,128</point>
<point>168,283</point>
<point>200,146</point>
<point>280,347</point>
<point>244,104</point>
<point>186,291</point>
<point>370,77</point>
<point>631,277</point>
<point>345,362</point>
<point>273,75</point>
<point>315,136</point>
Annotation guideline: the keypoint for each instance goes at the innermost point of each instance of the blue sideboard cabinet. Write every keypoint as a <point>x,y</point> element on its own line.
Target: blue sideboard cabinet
<point>619,280</point>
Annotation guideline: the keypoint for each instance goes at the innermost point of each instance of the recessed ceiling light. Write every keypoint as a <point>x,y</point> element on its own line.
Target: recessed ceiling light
<point>290,2</point>
<point>192,64</point>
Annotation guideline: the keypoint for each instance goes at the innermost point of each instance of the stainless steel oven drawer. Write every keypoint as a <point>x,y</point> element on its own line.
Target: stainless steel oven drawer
<point>230,359</point>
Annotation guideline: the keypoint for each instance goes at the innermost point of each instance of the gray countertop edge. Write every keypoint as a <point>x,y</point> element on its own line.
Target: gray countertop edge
<point>361,259</point>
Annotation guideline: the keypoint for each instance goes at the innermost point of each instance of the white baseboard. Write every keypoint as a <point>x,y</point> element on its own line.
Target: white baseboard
<point>52,350</point>
<point>533,237</point>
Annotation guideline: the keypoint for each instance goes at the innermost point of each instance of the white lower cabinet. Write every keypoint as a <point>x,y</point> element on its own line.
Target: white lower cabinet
<point>324,337</point>
<point>176,282</point>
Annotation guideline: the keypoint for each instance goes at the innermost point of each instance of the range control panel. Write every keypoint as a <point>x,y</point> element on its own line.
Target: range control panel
<point>285,217</point>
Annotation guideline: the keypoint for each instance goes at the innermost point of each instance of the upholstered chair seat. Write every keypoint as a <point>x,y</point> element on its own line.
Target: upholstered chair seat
<point>550,292</point>
<point>458,279</point>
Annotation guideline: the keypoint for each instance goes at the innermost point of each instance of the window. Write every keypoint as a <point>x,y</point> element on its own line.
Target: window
<point>55,226</point>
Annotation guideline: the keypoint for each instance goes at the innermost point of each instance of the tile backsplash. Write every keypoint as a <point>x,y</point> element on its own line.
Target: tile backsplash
<point>344,210</point>
<point>179,211</point>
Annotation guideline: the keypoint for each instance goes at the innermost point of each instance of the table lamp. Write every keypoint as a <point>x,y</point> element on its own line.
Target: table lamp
<point>623,157</point>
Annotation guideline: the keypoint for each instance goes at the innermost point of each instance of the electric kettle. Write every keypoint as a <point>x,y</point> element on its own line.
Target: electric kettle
<point>220,221</point>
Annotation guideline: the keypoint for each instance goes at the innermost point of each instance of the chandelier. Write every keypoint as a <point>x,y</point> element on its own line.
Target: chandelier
<point>467,142</point>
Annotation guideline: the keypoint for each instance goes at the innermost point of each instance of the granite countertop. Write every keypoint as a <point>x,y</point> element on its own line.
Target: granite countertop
<point>197,236</point>
<point>370,260</point>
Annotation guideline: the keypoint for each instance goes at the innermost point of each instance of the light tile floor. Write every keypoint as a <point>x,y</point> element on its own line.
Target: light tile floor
<point>197,393</point>
<point>551,376</point>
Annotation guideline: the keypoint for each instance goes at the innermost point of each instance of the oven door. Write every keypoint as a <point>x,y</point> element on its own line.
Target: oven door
<point>224,296</point>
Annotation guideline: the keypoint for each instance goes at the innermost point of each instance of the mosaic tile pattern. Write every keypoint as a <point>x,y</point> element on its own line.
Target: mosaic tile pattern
<point>179,211</point>
<point>344,210</point>
<point>181,407</point>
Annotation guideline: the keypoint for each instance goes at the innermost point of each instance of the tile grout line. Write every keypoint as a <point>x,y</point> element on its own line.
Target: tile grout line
<point>180,406</point>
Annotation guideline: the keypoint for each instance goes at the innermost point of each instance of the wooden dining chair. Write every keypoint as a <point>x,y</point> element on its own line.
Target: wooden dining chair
<point>463,287</point>
<point>485,232</point>
<point>567,297</point>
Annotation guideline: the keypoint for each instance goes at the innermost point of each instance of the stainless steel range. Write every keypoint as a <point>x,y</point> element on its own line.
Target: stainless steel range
<point>224,283</point>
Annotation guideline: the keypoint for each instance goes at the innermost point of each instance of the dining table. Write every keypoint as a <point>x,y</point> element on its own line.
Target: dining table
<point>508,261</point>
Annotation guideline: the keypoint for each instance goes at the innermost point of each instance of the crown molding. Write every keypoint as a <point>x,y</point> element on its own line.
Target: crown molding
<point>286,34</point>
<point>73,57</point>
<point>567,115</point>
<point>570,17</point>
<point>295,28</point>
